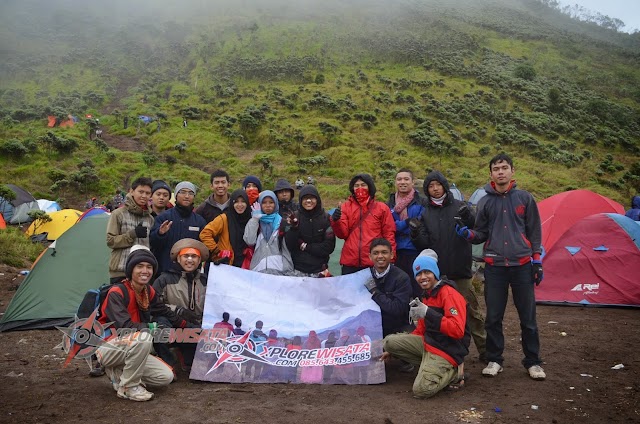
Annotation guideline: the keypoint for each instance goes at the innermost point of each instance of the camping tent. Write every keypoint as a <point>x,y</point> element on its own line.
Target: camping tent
<point>595,262</point>
<point>98,210</point>
<point>51,293</point>
<point>48,205</point>
<point>560,211</point>
<point>476,196</point>
<point>15,212</point>
<point>60,222</point>
<point>457,194</point>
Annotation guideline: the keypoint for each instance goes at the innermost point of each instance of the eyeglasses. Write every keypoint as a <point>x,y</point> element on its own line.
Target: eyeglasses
<point>186,193</point>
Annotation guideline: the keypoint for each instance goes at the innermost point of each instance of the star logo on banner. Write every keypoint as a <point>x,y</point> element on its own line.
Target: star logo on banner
<point>238,350</point>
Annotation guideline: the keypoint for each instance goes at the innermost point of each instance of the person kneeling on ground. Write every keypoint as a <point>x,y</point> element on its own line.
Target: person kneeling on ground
<point>183,289</point>
<point>441,338</point>
<point>127,358</point>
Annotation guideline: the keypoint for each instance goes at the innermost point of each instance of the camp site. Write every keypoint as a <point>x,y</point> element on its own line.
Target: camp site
<point>327,98</point>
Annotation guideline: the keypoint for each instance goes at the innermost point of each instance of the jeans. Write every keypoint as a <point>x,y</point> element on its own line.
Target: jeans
<point>496,292</point>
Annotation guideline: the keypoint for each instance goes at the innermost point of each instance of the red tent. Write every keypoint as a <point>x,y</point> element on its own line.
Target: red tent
<point>560,211</point>
<point>596,262</point>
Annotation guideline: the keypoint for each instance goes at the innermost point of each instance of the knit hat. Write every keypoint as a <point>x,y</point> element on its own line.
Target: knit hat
<point>425,263</point>
<point>189,243</point>
<point>138,254</point>
<point>430,253</point>
<point>186,185</point>
<point>252,179</point>
<point>159,184</point>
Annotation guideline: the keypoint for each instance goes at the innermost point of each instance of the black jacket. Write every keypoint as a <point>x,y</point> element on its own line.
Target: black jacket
<point>393,294</point>
<point>315,230</point>
<point>438,232</point>
<point>285,208</point>
<point>209,211</point>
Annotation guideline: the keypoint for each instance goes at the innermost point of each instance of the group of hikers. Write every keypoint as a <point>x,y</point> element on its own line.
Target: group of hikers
<point>416,248</point>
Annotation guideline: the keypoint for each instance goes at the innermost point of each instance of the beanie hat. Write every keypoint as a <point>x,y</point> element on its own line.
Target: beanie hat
<point>252,179</point>
<point>189,243</point>
<point>186,185</point>
<point>430,253</point>
<point>159,184</point>
<point>425,263</point>
<point>138,254</point>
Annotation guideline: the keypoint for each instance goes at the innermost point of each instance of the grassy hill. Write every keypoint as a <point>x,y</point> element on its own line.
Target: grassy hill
<point>326,89</point>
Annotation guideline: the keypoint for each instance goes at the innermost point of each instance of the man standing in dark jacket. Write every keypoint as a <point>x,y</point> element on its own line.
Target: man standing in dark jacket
<point>509,223</point>
<point>176,224</point>
<point>436,231</point>
<point>218,201</point>
<point>390,288</point>
<point>405,204</point>
<point>286,197</point>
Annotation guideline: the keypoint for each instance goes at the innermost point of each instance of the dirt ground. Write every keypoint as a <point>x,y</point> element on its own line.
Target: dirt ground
<point>579,346</point>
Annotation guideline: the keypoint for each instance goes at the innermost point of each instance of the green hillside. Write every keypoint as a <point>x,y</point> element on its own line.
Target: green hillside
<point>328,89</point>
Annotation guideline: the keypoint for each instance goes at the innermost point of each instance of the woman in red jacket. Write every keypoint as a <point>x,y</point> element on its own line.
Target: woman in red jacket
<point>358,221</point>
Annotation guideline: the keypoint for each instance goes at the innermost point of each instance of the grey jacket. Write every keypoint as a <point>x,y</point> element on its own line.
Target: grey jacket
<point>269,256</point>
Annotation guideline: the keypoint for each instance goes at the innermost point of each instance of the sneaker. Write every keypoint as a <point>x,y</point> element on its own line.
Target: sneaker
<point>97,371</point>
<point>537,373</point>
<point>114,373</point>
<point>492,369</point>
<point>136,393</point>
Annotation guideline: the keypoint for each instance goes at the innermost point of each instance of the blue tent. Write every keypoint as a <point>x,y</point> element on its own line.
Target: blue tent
<point>457,194</point>
<point>146,119</point>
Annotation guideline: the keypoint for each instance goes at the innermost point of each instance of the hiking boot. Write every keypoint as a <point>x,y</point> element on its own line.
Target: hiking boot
<point>492,369</point>
<point>406,367</point>
<point>114,373</point>
<point>136,393</point>
<point>537,373</point>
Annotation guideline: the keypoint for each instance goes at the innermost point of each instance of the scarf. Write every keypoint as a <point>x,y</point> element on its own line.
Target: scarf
<point>402,202</point>
<point>439,201</point>
<point>269,224</point>
<point>142,298</point>
<point>236,224</point>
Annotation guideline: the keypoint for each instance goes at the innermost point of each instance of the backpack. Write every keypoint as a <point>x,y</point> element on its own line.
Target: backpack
<point>94,298</point>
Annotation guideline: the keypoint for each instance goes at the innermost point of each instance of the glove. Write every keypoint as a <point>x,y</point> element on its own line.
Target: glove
<point>536,272</point>
<point>413,223</point>
<point>156,326</point>
<point>417,311</point>
<point>222,260</point>
<point>465,232</point>
<point>464,212</point>
<point>188,315</point>
<point>336,214</point>
<point>256,211</point>
<point>370,284</point>
<point>141,231</point>
<point>292,220</point>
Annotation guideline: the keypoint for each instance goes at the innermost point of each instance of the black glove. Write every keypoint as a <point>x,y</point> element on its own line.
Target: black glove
<point>141,231</point>
<point>370,284</point>
<point>187,314</point>
<point>222,261</point>
<point>464,212</point>
<point>414,224</point>
<point>536,272</point>
<point>336,214</point>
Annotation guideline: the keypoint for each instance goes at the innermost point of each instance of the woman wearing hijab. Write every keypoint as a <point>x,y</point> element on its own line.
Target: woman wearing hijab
<point>265,232</point>
<point>224,235</point>
<point>311,375</point>
<point>310,238</point>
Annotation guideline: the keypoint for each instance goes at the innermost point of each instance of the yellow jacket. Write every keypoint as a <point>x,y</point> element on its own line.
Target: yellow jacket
<point>215,236</point>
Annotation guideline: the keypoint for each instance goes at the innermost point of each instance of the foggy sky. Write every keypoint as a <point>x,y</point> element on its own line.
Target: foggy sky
<point>627,11</point>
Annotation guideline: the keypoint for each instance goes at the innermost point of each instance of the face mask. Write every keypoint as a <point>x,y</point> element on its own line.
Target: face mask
<point>362,194</point>
<point>253,194</point>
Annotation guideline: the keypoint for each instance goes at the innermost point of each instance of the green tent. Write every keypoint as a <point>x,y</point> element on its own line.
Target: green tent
<point>74,263</point>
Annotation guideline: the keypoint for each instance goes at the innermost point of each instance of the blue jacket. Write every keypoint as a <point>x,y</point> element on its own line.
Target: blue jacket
<point>403,233</point>
<point>182,227</point>
<point>634,212</point>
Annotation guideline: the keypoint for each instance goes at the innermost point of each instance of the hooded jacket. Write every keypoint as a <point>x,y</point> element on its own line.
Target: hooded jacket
<point>444,329</point>
<point>403,232</point>
<point>286,207</point>
<point>359,227</point>
<point>438,232</point>
<point>634,212</point>
<point>509,224</point>
<point>314,229</point>
<point>121,233</point>
<point>210,210</point>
